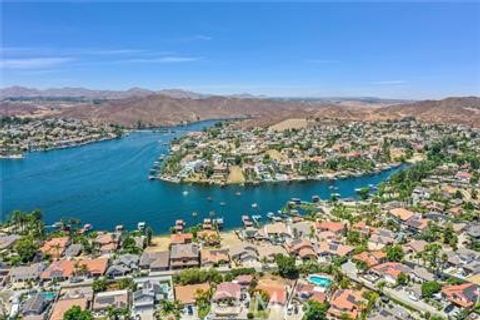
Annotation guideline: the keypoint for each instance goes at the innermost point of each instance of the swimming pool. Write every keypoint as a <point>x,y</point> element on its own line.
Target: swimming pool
<point>49,295</point>
<point>320,280</point>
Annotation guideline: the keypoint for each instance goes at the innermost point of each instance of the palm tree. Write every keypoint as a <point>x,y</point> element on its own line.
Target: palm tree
<point>169,308</point>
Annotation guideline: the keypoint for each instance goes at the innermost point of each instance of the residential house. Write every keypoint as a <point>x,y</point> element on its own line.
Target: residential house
<point>123,265</point>
<point>390,271</point>
<point>370,258</point>
<point>63,305</point>
<point>305,291</point>
<point>73,250</point>
<point>464,295</point>
<point>335,227</point>
<point>181,238</point>
<point>34,307</point>
<point>214,257</point>
<point>184,256</point>
<point>275,289</point>
<point>7,241</point>
<point>155,261</point>
<point>329,250</point>
<point>55,247</point>
<point>31,272</point>
<point>66,269</point>
<point>118,299</point>
<point>244,254</point>
<point>401,215</point>
<point>277,232</point>
<point>415,246</point>
<point>301,248</point>
<point>187,294</point>
<point>107,242</point>
<point>227,300</point>
<point>416,223</point>
<point>346,302</point>
<point>380,238</point>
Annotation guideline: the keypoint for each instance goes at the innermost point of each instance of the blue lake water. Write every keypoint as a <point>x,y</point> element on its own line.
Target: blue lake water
<point>106,184</point>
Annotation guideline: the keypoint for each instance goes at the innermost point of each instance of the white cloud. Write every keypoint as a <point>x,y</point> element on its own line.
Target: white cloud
<point>202,37</point>
<point>165,59</point>
<point>33,63</point>
<point>389,82</point>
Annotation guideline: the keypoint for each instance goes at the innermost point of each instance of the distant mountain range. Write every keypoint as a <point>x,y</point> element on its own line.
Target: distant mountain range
<point>18,92</point>
<point>138,107</point>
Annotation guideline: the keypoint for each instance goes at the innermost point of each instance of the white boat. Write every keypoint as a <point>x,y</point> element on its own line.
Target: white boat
<point>185,192</point>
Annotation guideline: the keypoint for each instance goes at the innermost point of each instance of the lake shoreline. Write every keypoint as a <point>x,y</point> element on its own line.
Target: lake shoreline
<point>106,184</point>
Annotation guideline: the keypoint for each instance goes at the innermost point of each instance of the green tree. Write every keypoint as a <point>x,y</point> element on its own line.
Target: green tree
<point>394,253</point>
<point>76,313</point>
<point>402,279</point>
<point>26,249</point>
<point>286,266</point>
<point>169,308</point>
<point>315,310</point>
<point>99,285</point>
<point>429,288</point>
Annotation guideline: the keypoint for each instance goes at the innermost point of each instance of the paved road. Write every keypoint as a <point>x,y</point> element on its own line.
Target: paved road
<point>401,296</point>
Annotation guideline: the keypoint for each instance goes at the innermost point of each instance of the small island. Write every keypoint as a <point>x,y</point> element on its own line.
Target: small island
<point>23,134</point>
<point>296,150</point>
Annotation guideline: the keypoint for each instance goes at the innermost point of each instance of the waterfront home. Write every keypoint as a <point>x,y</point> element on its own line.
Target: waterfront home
<point>214,257</point>
<point>277,232</point>
<point>107,242</point>
<point>184,256</point>
<point>390,271</point>
<point>26,273</point>
<point>463,295</point>
<point>209,238</point>
<point>155,261</point>
<point>55,247</point>
<point>181,238</point>
<point>103,301</point>
<point>346,302</point>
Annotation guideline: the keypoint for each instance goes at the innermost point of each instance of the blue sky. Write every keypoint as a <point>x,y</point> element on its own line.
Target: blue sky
<point>397,50</point>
